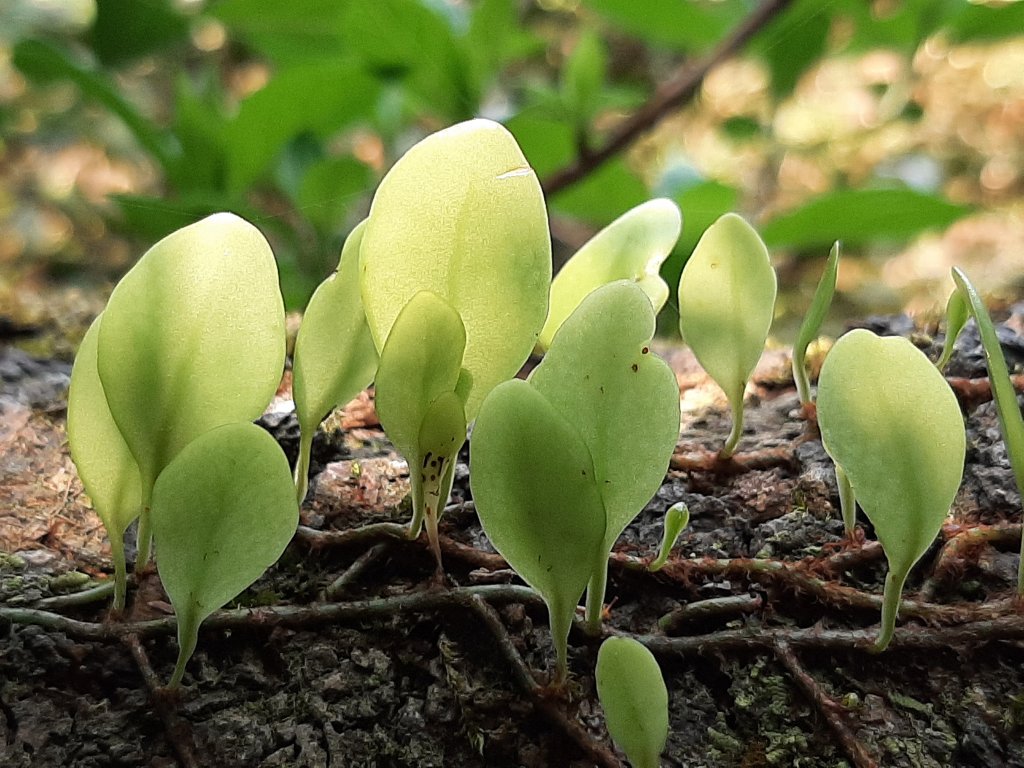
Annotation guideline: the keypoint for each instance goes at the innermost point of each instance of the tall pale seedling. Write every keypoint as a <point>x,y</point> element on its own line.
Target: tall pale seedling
<point>191,339</point>
<point>726,303</point>
<point>461,216</point>
<point>892,424</point>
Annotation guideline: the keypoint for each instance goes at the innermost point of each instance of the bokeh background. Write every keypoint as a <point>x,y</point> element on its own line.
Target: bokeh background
<point>896,126</point>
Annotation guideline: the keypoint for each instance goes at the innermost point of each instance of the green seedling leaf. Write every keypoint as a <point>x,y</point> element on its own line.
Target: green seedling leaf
<point>192,338</point>
<point>223,512</point>
<point>812,322</point>
<point>335,358</point>
<point>676,519</point>
<point>461,214</point>
<point>105,465</point>
<point>893,425</point>
<point>420,402</point>
<point>726,303</point>
<point>632,247</point>
<point>601,376</point>
<point>635,700</point>
<point>533,482</point>
<point>957,312</point>
<point>1002,390</point>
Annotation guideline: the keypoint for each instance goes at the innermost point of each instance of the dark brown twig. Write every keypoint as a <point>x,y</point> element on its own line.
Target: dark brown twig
<point>826,705</point>
<point>960,542</point>
<point>675,92</point>
<point>355,571</point>
<point>178,731</point>
<point>974,392</point>
<point>852,557</point>
<point>713,608</point>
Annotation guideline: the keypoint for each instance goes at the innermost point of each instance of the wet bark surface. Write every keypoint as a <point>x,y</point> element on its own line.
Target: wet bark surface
<point>761,621</point>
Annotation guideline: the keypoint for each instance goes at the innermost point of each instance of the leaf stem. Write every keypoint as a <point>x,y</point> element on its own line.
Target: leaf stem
<point>143,541</point>
<point>890,608</point>
<point>596,589</point>
<point>302,465</point>
<point>736,406</point>
<point>847,501</point>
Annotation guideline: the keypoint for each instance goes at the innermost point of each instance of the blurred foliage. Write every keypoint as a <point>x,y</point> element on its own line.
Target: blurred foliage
<point>121,120</point>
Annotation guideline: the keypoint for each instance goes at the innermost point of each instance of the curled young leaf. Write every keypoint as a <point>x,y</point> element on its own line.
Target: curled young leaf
<point>622,399</point>
<point>632,692</point>
<point>812,322</point>
<point>223,512</point>
<point>335,358</point>
<point>105,465</point>
<point>957,313</point>
<point>893,425</point>
<point>533,482</point>
<point>676,519</point>
<point>632,247</point>
<point>726,303</point>
<point>462,215</point>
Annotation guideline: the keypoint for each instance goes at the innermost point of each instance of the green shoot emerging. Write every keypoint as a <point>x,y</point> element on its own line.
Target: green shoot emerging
<point>726,302</point>
<point>676,519</point>
<point>634,698</point>
<point>957,313</point>
<point>893,425</point>
<point>812,322</point>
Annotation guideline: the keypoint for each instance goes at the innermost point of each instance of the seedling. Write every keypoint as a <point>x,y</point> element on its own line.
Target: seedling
<point>223,511</point>
<point>335,358</point>
<point>957,313</point>
<point>192,338</point>
<point>635,700</point>
<point>812,322</point>
<point>105,465</point>
<point>633,247</point>
<point>612,409</point>
<point>676,519</point>
<point>893,425</point>
<point>726,302</point>
<point>624,402</point>
<point>461,216</point>
<point>1002,390</point>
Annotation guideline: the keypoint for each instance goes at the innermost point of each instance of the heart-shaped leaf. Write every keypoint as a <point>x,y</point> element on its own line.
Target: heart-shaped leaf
<point>335,358</point>
<point>533,483</point>
<point>601,376</point>
<point>726,303</point>
<point>893,425</point>
<point>105,465</point>
<point>192,338</point>
<point>461,214</point>
<point>223,512</point>
<point>632,247</point>
<point>634,698</point>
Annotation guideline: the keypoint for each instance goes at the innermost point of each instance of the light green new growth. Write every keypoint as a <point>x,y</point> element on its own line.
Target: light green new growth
<point>105,465</point>
<point>633,695</point>
<point>623,401</point>
<point>533,483</point>
<point>676,519</point>
<point>889,419</point>
<point>633,247</point>
<point>419,391</point>
<point>335,358</point>
<point>847,502</point>
<point>1002,391</point>
<point>812,322</point>
<point>957,313</point>
<point>192,338</point>
<point>726,302</point>
<point>223,512</point>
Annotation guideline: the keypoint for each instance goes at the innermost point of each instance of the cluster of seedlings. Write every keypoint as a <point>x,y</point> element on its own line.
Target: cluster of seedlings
<point>440,295</point>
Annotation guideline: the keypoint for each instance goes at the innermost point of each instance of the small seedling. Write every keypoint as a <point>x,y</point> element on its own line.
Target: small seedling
<point>726,302</point>
<point>461,217</point>
<point>223,511</point>
<point>1002,391</point>
<point>105,465</point>
<point>893,425</point>
<point>676,519</point>
<point>192,338</point>
<point>634,698</point>
<point>533,482</point>
<point>957,313</point>
<point>633,247</point>
<point>812,323</point>
<point>335,358</point>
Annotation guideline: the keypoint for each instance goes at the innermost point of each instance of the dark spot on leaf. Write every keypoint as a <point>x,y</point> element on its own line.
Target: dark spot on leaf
<point>635,367</point>
<point>645,350</point>
<point>602,390</point>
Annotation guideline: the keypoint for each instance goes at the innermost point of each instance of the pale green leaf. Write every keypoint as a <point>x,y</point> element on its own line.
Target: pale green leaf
<point>633,695</point>
<point>632,247</point>
<point>812,322</point>
<point>223,512</point>
<point>192,338</point>
<point>957,313</point>
<point>533,483</point>
<point>461,214</point>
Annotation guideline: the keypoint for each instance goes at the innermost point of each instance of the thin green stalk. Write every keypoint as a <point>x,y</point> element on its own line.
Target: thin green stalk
<point>736,406</point>
<point>120,573</point>
<point>188,638</point>
<point>143,541</point>
<point>561,622</point>
<point>418,503</point>
<point>302,465</point>
<point>812,323</point>
<point>595,600</point>
<point>847,501</point>
<point>890,608</point>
